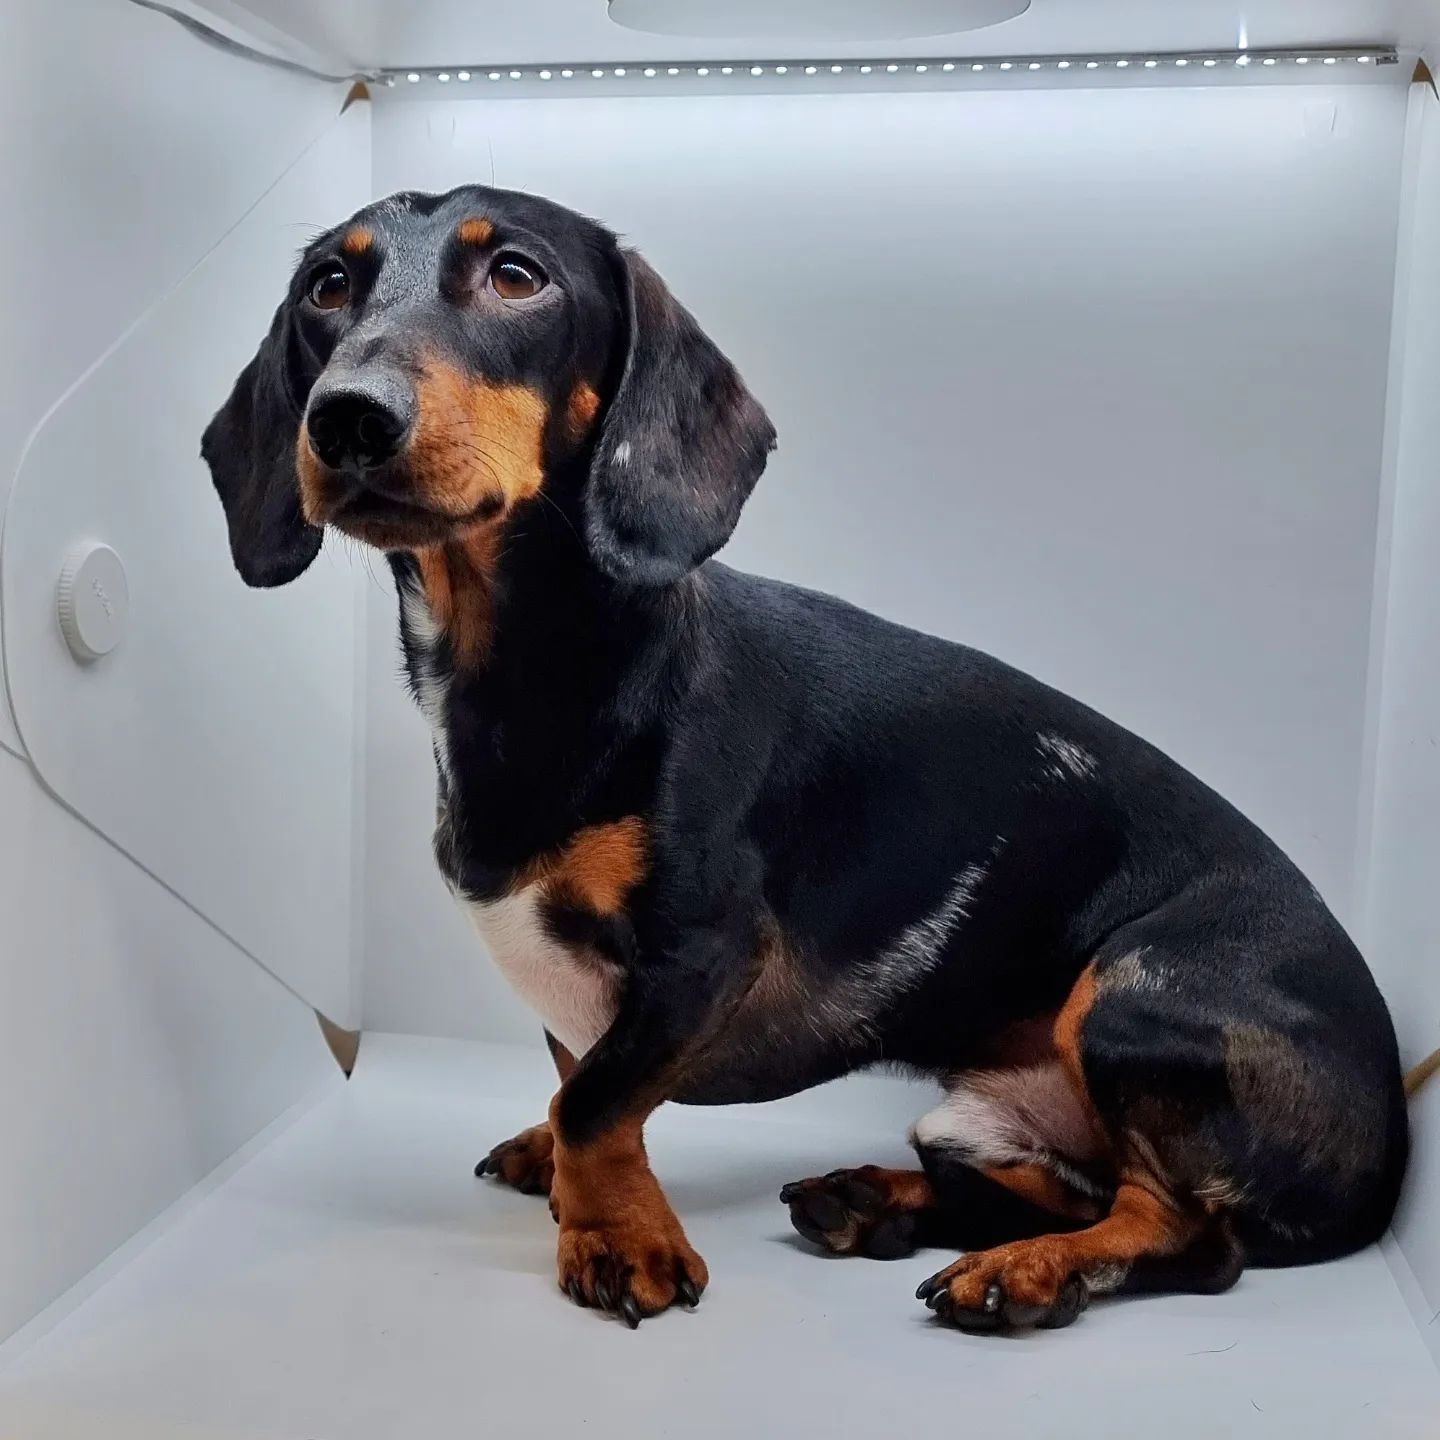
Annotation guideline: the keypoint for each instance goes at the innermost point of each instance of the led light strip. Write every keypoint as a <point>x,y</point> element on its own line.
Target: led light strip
<point>889,70</point>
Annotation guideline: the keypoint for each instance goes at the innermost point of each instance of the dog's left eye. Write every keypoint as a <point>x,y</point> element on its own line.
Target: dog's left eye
<point>516,279</point>
<point>329,288</point>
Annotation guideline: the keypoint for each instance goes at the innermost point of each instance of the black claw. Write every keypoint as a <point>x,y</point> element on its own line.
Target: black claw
<point>927,1288</point>
<point>481,1168</point>
<point>688,1293</point>
<point>576,1293</point>
<point>792,1192</point>
<point>603,1295</point>
<point>630,1309</point>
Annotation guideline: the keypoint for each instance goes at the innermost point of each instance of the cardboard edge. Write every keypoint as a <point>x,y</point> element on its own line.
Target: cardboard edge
<point>344,1044</point>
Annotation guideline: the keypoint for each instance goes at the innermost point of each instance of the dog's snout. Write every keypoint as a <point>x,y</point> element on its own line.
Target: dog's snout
<point>356,426</point>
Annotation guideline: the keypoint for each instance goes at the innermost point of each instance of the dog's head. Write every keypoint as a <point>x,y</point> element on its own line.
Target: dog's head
<point>440,361</point>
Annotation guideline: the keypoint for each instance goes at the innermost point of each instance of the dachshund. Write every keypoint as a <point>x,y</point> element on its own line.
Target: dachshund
<point>732,839</point>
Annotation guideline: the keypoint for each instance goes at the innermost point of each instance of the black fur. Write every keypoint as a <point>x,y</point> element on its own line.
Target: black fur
<point>683,444</point>
<point>816,781</point>
<point>250,448</point>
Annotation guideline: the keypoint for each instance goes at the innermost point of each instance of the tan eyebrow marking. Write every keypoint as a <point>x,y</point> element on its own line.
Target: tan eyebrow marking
<point>476,231</point>
<point>358,240</point>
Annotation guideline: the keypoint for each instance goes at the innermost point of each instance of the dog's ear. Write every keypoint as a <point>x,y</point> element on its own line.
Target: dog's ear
<point>250,449</point>
<point>681,446</point>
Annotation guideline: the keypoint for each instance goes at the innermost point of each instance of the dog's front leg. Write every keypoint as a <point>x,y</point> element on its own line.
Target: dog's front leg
<point>622,1248</point>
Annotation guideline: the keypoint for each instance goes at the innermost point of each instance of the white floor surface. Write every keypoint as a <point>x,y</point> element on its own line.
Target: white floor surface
<point>352,1281</point>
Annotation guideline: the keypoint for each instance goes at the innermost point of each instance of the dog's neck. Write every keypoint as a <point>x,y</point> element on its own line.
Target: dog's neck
<point>543,680</point>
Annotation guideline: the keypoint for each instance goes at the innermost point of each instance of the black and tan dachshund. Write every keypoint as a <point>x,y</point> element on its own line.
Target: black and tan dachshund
<point>732,839</point>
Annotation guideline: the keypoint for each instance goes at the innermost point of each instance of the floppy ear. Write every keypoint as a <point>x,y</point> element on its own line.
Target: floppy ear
<point>250,449</point>
<point>682,444</point>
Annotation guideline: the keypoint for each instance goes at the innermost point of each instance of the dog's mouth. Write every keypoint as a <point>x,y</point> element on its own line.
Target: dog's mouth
<point>389,523</point>
<point>396,505</point>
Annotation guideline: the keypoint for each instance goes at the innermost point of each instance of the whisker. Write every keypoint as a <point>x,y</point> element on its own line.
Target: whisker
<point>569,524</point>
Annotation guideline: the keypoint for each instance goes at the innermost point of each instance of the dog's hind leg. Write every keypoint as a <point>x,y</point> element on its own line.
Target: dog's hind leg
<point>1241,1079</point>
<point>889,1214</point>
<point>1145,1234</point>
<point>1002,1159</point>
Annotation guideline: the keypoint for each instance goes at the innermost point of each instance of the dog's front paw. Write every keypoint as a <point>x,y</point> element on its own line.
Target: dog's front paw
<point>526,1163</point>
<point>630,1272</point>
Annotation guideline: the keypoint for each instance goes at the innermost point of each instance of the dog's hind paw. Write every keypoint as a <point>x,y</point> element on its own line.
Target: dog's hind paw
<point>868,1211</point>
<point>1027,1285</point>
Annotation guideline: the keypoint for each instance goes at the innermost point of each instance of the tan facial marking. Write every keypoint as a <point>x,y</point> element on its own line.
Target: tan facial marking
<point>476,445</point>
<point>475,231</point>
<point>358,241</point>
<point>581,411</point>
<point>475,442</point>
<point>319,486</point>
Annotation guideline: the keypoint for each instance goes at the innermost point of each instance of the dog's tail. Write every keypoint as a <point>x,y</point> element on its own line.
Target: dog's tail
<point>1416,1077</point>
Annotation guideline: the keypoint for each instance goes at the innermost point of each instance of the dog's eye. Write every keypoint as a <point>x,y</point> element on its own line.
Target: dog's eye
<point>516,279</point>
<point>329,288</point>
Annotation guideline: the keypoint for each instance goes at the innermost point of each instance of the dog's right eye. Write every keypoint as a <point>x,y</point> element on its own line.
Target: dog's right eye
<point>329,288</point>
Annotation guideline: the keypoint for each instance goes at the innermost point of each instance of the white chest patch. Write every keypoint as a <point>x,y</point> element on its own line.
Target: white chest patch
<point>432,689</point>
<point>575,995</point>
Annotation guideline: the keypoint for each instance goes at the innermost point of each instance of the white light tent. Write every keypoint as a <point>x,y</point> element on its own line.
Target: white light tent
<point>1094,338</point>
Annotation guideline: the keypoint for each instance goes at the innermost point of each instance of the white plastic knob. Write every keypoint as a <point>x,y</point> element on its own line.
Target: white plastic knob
<point>94,601</point>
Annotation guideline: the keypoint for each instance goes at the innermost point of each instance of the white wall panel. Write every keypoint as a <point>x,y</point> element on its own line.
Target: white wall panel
<point>216,744</point>
<point>127,149</point>
<point>1092,380</point>
<point>138,1048</point>
<point>1401,923</point>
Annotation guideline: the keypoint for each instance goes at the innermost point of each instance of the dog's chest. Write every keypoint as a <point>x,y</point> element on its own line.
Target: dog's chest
<point>571,988</point>
<point>573,991</point>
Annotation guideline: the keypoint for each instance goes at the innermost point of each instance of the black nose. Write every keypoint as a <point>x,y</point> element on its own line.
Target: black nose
<point>355,428</point>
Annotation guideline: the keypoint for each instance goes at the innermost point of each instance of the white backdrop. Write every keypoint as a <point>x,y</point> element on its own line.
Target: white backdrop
<point>1092,380</point>
<point>117,184</point>
<point>1401,926</point>
<point>138,1047</point>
